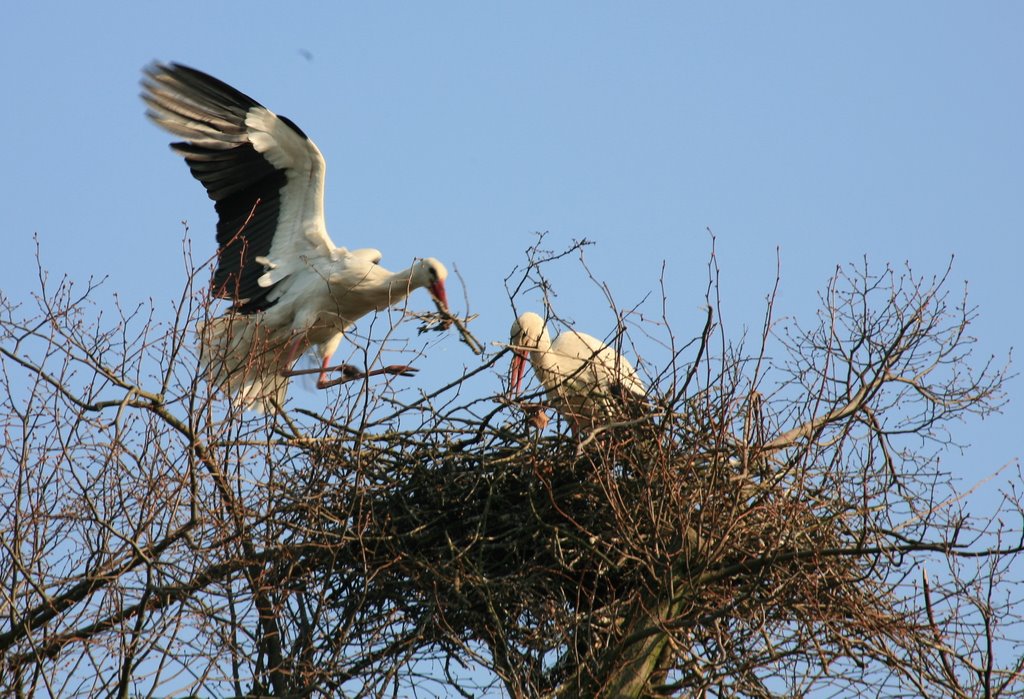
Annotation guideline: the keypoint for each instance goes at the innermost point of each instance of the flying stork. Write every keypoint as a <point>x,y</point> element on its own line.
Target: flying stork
<point>588,381</point>
<point>291,287</point>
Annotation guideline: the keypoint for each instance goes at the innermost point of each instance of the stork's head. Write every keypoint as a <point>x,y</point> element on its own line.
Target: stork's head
<point>524,337</point>
<point>430,274</point>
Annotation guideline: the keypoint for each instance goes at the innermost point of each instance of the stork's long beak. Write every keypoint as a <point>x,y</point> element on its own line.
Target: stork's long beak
<point>437,289</point>
<point>515,379</point>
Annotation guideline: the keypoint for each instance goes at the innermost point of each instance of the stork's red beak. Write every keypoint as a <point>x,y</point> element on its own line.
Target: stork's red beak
<point>437,289</point>
<point>515,379</point>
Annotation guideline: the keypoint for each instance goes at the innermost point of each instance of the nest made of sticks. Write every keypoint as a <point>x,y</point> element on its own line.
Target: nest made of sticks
<point>532,543</point>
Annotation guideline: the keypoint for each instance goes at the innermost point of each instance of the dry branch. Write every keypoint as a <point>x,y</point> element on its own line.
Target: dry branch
<point>728,539</point>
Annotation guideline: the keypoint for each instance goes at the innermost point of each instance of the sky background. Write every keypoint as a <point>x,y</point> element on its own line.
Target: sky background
<point>831,132</point>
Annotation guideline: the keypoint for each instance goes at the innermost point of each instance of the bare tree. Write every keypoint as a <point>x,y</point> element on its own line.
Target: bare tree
<point>771,522</point>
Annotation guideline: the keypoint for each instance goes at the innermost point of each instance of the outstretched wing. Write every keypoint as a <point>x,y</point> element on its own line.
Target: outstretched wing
<point>265,176</point>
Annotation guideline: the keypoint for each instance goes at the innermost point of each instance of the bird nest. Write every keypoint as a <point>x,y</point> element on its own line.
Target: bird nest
<point>547,548</point>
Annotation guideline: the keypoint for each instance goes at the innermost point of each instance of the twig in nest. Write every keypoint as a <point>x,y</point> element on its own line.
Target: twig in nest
<point>611,425</point>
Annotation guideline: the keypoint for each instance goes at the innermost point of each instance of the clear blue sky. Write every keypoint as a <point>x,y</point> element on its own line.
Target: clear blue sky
<point>831,131</point>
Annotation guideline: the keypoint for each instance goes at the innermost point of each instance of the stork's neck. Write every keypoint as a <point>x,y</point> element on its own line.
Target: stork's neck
<point>388,288</point>
<point>398,285</point>
<point>414,277</point>
<point>403,279</point>
<point>541,354</point>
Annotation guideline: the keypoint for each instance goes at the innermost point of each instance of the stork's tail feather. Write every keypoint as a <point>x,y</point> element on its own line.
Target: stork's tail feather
<point>238,358</point>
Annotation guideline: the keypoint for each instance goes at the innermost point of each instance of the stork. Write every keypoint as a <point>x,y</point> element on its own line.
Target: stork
<point>290,286</point>
<point>587,381</point>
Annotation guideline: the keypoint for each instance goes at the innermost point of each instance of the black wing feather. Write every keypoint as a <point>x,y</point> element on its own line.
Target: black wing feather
<point>244,185</point>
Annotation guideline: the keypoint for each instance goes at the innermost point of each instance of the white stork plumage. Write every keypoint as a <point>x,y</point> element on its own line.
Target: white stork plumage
<point>587,381</point>
<point>292,288</point>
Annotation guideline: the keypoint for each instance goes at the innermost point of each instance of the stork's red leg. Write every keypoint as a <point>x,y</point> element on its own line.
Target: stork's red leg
<point>293,354</point>
<point>322,379</point>
<point>348,372</point>
<point>351,373</point>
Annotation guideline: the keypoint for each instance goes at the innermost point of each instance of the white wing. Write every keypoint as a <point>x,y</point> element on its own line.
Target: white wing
<point>264,174</point>
<point>372,255</point>
<point>604,367</point>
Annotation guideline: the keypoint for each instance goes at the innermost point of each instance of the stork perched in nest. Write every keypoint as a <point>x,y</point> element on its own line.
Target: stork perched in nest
<point>585,379</point>
<point>291,287</point>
